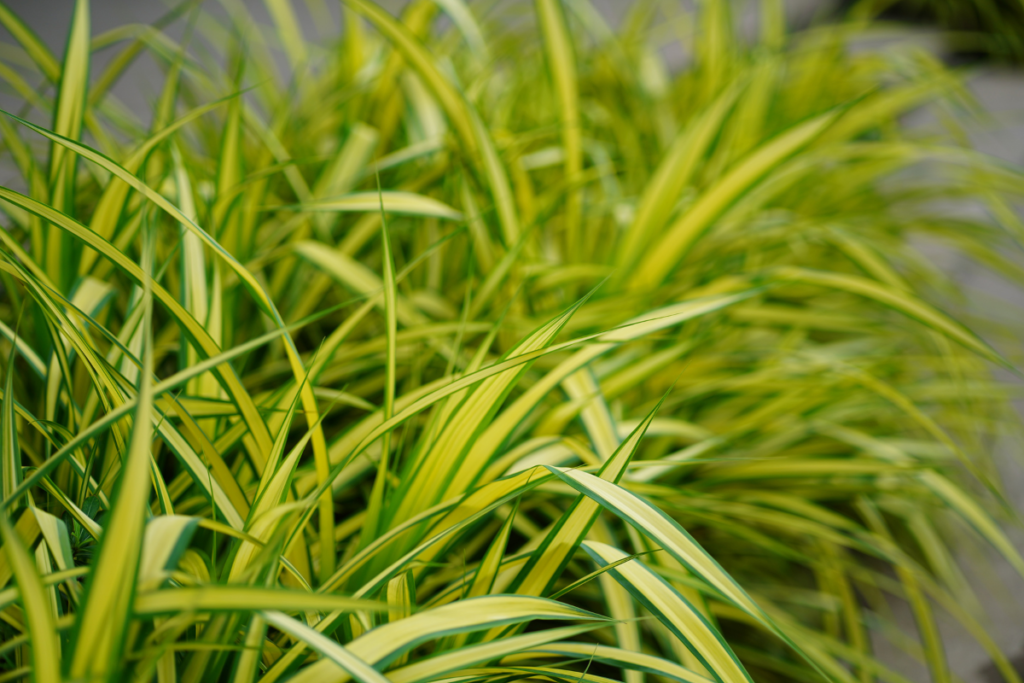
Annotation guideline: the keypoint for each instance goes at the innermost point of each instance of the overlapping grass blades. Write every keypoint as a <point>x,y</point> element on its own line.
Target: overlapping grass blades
<point>990,28</point>
<point>491,348</point>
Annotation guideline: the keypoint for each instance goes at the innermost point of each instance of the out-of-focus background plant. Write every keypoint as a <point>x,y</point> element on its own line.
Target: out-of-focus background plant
<point>482,342</point>
<point>986,29</point>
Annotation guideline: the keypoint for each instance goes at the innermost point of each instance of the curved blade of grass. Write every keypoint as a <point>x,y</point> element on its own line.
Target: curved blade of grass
<point>71,99</point>
<point>661,528</point>
<point>483,579</point>
<point>102,622</point>
<point>233,598</point>
<point>555,551</point>
<point>384,643</point>
<point>673,610</point>
<point>35,48</point>
<point>68,116</point>
<point>194,287</point>
<point>166,538</point>
<point>435,468</point>
<point>968,508</point>
<point>461,15</point>
<point>252,286</point>
<point>331,650</point>
<point>10,454</point>
<point>355,275</point>
<point>455,661</point>
<point>561,62</point>
<point>111,203</point>
<point>684,232</point>
<point>402,203</point>
<point>98,426</point>
<point>461,513</point>
<point>470,130</point>
<point>899,300</point>
<point>227,375</point>
<point>371,524</point>
<point>36,608</point>
<point>483,448</point>
<point>674,172</point>
<point>583,389</point>
<point>27,528</point>
<point>636,661</point>
<point>55,532</point>
<point>267,507</point>
<point>289,33</point>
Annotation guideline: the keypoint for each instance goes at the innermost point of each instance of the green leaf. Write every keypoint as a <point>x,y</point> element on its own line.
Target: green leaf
<point>402,203</point>
<point>680,236</point>
<point>547,562</point>
<point>371,525</point>
<point>289,32</point>
<point>30,42</point>
<point>381,645</point>
<point>664,530</point>
<point>674,172</point>
<point>227,375</point>
<point>35,604</point>
<point>102,622</point>
<point>454,661</point>
<point>471,132</point>
<point>561,62</point>
<point>899,300</point>
<point>165,539</point>
<point>352,665</point>
<point>231,598</point>
<point>10,454</point>
<point>673,610</point>
<point>67,122</point>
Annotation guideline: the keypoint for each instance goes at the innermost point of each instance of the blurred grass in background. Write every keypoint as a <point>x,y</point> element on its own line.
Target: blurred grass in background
<point>975,29</point>
<point>481,345</point>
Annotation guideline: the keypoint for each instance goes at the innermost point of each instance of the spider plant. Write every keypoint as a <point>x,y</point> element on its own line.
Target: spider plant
<point>481,344</point>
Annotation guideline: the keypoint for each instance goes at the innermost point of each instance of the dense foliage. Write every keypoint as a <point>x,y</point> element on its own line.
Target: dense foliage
<point>989,29</point>
<point>480,345</point>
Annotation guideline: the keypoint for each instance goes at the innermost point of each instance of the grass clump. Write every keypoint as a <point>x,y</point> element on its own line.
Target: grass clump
<point>987,29</point>
<point>486,346</point>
